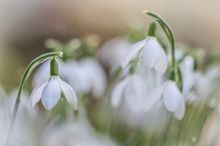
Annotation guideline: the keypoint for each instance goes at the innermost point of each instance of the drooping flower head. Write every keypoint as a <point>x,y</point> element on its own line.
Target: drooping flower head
<point>51,91</point>
<point>78,68</point>
<point>150,54</point>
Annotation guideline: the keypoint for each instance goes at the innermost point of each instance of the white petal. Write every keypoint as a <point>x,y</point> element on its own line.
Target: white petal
<point>172,96</point>
<point>42,74</point>
<point>97,76</point>
<point>36,93</point>
<point>134,93</point>
<point>152,98</point>
<point>117,92</point>
<point>188,63</point>
<point>151,52</point>
<point>179,113</point>
<point>133,52</point>
<point>161,66</point>
<point>111,52</point>
<point>189,81</point>
<point>51,93</point>
<point>69,94</point>
<point>187,68</point>
<point>79,79</point>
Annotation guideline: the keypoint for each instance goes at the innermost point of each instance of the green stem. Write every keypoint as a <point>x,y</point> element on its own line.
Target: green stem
<point>166,28</point>
<point>168,32</point>
<point>152,28</point>
<point>25,76</point>
<point>27,73</point>
<point>54,70</point>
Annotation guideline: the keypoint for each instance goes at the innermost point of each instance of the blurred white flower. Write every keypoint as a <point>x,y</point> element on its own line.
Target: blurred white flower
<point>112,51</point>
<point>50,93</point>
<point>188,74</point>
<point>132,90</point>
<point>73,133</point>
<point>138,103</point>
<point>205,85</point>
<point>151,55</point>
<point>213,74</point>
<point>28,123</point>
<point>197,86</point>
<point>85,76</point>
<point>169,94</point>
<point>96,76</point>
<point>162,90</point>
<point>153,121</point>
<point>140,97</point>
<point>173,99</point>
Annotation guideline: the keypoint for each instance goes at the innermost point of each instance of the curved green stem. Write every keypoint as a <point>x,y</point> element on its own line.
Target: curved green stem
<point>28,71</point>
<point>179,78</point>
<point>176,75</point>
<point>25,76</point>
<point>164,25</point>
<point>164,29</point>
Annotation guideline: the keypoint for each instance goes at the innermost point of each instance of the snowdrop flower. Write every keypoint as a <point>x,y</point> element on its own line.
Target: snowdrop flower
<point>43,72</point>
<point>79,79</point>
<point>73,133</point>
<point>22,134</point>
<point>132,90</point>
<point>96,76</point>
<point>213,73</point>
<point>151,55</point>
<point>152,120</point>
<point>85,76</point>
<point>159,89</point>
<point>146,108</point>
<point>188,74</point>
<point>112,51</point>
<point>170,95</point>
<point>173,99</point>
<point>139,98</point>
<point>50,91</point>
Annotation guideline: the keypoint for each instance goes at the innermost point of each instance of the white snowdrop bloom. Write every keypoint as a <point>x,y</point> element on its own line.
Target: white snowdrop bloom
<point>173,99</point>
<point>188,74</point>
<point>213,73</point>
<point>27,126</point>
<point>43,72</point>
<point>152,120</point>
<point>85,76</point>
<point>151,55</point>
<point>150,113</point>
<point>78,77</point>
<point>152,98</point>
<point>97,76</point>
<point>50,93</point>
<point>131,90</point>
<point>73,133</point>
<point>169,94</point>
<point>203,86</point>
<point>112,51</point>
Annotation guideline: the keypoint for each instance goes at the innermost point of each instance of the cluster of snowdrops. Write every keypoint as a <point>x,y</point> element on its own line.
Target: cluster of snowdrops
<point>140,89</point>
